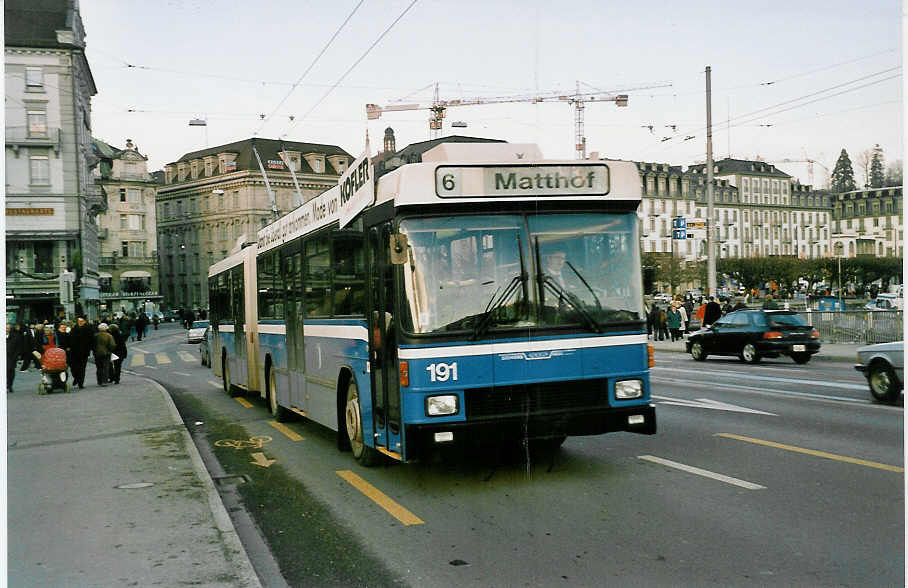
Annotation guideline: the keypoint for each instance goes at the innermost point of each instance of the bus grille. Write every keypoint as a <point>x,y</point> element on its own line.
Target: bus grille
<point>534,399</point>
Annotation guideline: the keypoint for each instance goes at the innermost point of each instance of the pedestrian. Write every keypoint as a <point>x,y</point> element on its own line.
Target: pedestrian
<point>769,303</point>
<point>688,312</point>
<point>684,319</point>
<point>104,346</point>
<point>132,327</point>
<point>649,322</point>
<point>663,324</point>
<point>119,350</point>
<point>29,344</point>
<point>155,321</point>
<point>739,305</point>
<point>712,313</point>
<point>62,337</point>
<point>49,341</point>
<point>673,322</point>
<point>14,343</point>
<point>727,307</point>
<point>81,342</point>
<point>654,320</point>
<point>141,323</point>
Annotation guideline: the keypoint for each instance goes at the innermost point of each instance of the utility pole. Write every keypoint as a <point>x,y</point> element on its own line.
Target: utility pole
<point>710,225</point>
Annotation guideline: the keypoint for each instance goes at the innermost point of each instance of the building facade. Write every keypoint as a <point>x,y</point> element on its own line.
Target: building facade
<point>868,222</point>
<point>214,200</point>
<point>51,199</point>
<point>758,210</point>
<point>128,230</point>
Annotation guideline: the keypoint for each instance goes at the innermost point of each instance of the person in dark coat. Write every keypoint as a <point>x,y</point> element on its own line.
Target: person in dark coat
<point>120,351</point>
<point>104,346</point>
<point>141,325</point>
<point>30,342</point>
<point>81,343</point>
<point>63,338</point>
<point>13,352</point>
<point>712,313</point>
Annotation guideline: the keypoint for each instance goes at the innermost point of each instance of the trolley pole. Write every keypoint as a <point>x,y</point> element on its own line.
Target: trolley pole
<point>710,225</point>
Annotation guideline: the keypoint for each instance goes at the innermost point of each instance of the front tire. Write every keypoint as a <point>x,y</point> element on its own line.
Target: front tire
<point>883,383</point>
<point>696,351</point>
<point>749,354</point>
<point>353,418</point>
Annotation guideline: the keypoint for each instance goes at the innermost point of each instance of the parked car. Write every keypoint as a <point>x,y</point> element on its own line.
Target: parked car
<point>205,349</point>
<point>170,316</point>
<point>755,334</point>
<point>196,331</point>
<point>662,297</point>
<point>883,365</point>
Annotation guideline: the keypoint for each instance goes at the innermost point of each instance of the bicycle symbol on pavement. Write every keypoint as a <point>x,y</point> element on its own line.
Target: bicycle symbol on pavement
<point>251,443</point>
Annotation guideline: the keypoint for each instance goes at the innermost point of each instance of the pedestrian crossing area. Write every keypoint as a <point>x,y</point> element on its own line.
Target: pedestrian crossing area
<point>138,358</point>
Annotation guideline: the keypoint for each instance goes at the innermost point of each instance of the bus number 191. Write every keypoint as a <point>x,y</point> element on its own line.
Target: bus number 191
<point>441,372</point>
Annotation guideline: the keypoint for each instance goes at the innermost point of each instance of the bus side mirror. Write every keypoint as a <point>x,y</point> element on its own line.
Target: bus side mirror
<point>398,246</point>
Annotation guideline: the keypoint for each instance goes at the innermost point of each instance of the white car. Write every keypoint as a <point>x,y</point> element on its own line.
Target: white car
<point>883,365</point>
<point>196,331</point>
<point>662,297</point>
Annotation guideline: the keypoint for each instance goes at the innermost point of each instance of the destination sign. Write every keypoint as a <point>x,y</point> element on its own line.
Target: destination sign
<point>315,213</point>
<point>522,180</point>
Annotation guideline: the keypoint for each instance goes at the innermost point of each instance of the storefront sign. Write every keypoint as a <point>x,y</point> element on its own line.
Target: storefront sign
<point>29,212</point>
<point>275,164</point>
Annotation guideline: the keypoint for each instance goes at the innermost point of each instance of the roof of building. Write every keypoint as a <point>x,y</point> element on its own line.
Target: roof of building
<point>747,167</point>
<point>34,23</point>
<point>413,152</point>
<point>268,149</point>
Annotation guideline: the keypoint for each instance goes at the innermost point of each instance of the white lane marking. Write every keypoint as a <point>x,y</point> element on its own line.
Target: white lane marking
<point>183,374</point>
<point>709,404</point>
<point>701,472</point>
<point>186,356</point>
<point>774,392</point>
<point>739,375</point>
<point>215,384</point>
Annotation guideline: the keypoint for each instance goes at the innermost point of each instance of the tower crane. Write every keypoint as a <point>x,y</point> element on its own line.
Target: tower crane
<point>578,100</point>
<point>809,163</point>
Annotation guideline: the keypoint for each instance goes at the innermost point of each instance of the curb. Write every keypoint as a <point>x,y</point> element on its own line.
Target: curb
<point>235,551</point>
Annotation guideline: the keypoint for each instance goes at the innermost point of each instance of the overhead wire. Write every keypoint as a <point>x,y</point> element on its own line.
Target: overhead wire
<point>308,69</point>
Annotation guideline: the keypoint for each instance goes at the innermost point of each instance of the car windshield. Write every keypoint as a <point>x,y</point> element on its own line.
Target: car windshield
<point>483,272</point>
<point>786,320</point>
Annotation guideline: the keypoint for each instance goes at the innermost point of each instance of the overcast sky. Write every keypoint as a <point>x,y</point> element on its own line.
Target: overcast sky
<point>825,74</point>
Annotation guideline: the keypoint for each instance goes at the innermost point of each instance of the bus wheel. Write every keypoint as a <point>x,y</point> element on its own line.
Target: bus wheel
<point>279,413</point>
<point>225,376</point>
<point>353,417</point>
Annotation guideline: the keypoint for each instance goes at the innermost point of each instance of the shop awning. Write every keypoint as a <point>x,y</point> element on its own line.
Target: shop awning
<point>104,275</point>
<point>135,274</point>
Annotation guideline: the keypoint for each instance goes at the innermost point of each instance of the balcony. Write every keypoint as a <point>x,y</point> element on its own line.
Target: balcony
<point>17,137</point>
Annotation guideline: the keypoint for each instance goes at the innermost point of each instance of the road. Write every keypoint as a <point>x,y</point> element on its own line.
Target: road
<point>769,474</point>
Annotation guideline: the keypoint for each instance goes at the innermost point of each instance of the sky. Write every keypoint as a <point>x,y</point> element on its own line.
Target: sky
<point>790,80</point>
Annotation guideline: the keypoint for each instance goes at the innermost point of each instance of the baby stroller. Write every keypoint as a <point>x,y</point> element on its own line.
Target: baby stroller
<point>53,371</point>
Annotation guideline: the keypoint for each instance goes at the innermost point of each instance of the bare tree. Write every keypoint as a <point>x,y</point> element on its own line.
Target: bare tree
<point>863,160</point>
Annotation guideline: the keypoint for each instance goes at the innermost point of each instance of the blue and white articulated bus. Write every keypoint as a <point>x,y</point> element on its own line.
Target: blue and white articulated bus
<point>482,294</point>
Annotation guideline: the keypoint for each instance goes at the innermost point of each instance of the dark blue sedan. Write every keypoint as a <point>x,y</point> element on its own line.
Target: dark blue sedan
<point>755,334</point>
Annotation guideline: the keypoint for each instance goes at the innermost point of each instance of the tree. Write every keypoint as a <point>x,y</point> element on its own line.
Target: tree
<point>876,167</point>
<point>894,174</point>
<point>842,175</point>
<point>863,160</point>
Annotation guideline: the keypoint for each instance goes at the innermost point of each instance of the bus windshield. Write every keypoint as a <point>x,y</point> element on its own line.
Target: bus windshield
<point>478,273</point>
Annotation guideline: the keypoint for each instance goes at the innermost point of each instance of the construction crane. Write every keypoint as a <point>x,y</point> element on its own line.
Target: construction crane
<point>809,163</point>
<point>578,100</point>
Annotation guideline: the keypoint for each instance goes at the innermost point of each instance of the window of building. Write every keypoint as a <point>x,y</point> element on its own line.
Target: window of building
<point>133,195</point>
<point>39,169</point>
<point>123,222</point>
<point>37,123</point>
<point>136,222</point>
<point>236,199</point>
<point>34,79</point>
<point>317,166</point>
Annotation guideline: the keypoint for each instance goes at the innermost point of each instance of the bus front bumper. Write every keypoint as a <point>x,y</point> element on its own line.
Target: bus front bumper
<point>633,419</point>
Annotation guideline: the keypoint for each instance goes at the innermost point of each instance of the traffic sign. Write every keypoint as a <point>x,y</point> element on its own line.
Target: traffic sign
<point>679,222</point>
<point>696,225</point>
<point>679,234</point>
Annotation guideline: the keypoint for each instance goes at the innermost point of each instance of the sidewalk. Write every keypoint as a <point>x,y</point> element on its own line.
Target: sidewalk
<point>845,352</point>
<point>105,488</point>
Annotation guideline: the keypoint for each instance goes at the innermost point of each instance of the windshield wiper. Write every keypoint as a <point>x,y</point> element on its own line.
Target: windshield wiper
<point>495,303</point>
<point>544,280</point>
<point>585,283</point>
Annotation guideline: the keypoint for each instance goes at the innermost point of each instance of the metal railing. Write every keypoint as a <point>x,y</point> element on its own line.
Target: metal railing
<point>857,326</point>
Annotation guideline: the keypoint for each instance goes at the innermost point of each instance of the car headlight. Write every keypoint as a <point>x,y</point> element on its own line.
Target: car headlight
<point>626,389</point>
<point>441,405</point>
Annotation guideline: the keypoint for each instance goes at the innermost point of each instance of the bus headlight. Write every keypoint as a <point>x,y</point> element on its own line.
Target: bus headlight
<point>626,389</point>
<point>441,405</point>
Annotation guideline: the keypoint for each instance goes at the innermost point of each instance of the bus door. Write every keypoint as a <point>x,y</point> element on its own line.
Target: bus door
<point>295,311</point>
<point>239,367</point>
<point>383,343</point>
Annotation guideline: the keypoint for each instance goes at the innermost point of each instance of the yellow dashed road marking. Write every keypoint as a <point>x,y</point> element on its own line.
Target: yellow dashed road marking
<point>187,357</point>
<point>381,499</point>
<point>244,402</point>
<point>290,433</point>
<point>161,358</point>
<point>823,454</point>
<point>137,360</point>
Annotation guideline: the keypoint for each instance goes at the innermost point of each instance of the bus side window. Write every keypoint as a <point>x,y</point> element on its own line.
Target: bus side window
<point>318,277</point>
<point>349,276</point>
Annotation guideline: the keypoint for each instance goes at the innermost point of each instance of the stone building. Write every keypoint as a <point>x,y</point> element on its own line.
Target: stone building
<point>128,230</point>
<point>868,222</point>
<point>213,200</point>
<point>51,199</point>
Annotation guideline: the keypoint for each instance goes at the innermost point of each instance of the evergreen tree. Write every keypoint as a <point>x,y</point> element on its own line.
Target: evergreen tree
<point>877,177</point>
<point>842,175</point>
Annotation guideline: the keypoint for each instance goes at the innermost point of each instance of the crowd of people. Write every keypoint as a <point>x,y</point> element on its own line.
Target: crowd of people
<point>104,339</point>
<point>670,321</point>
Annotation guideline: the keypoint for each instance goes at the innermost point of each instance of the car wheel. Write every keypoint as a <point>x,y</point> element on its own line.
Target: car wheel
<point>800,358</point>
<point>883,383</point>
<point>353,416</point>
<point>749,354</point>
<point>696,351</point>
